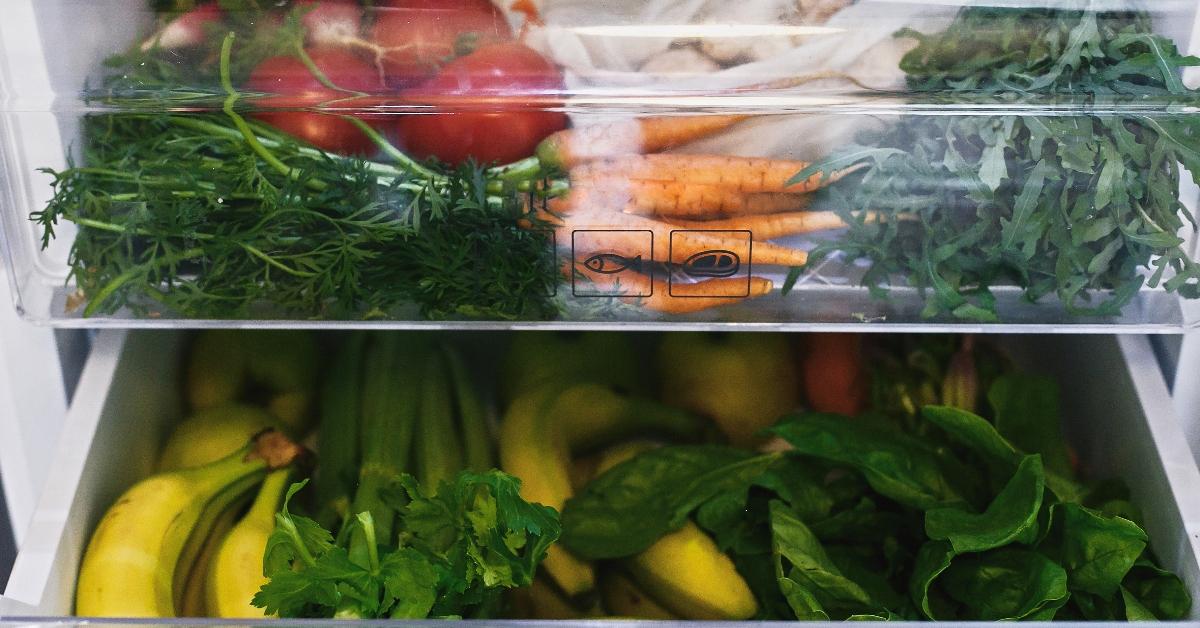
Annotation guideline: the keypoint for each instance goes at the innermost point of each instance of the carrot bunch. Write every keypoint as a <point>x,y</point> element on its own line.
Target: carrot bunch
<point>620,183</point>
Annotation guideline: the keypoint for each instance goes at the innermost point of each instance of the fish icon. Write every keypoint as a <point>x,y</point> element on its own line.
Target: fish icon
<point>713,263</point>
<point>610,263</point>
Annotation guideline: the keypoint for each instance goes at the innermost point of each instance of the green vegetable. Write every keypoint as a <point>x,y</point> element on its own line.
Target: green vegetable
<point>1009,583</point>
<point>810,581</point>
<point>1011,517</point>
<point>1098,550</point>
<point>339,432</point>
<point>635,503</point>
<point>932,512</point>
<point>896,465</point>
<point>456,551</point>
<point>207,215</point>
<point>1072,205</point>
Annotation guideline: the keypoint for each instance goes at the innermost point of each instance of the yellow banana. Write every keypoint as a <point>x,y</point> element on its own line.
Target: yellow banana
<point>543,427</point>
<point>145,546</point>
<point>192,602</point>
<point>685,570</point>
<point>546,603</point>
<point>212,434</point>
<point>623,598</point>
<point>689,575</point>
<point>531,448</point>
<point>281,366</point>
<point>236,573</point>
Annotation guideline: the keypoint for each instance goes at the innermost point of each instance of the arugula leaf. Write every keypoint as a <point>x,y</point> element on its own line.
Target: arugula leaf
<point>635,503</point>
<point>1072,205</point>
<point>1010,518</point>
<point>895,464</point>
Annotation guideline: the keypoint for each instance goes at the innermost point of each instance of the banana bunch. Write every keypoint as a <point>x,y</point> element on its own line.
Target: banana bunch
<point>145,548</point>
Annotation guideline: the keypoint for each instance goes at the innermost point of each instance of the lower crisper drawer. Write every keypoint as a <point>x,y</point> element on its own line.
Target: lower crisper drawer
<point>1118,416</point>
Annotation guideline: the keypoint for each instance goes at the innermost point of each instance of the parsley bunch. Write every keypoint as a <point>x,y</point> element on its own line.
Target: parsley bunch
<point>457,549</point>
<point>1061,176</point>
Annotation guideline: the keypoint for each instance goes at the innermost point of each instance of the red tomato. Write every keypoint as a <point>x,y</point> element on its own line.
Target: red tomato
<point>501,129</point>
<point>293,86</point>
<point>422,35</point>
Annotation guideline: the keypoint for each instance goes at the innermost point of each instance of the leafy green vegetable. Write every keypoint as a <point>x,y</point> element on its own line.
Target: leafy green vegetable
<point>632,505</point>
<point>456,551</point>
<point>1074,205</point>
<point>1008,583</point>
<point>1156,591</point>
<point>814,584</point>
<point>1011,517</point>
<point>1098,550</point>
<point>912,512</point>
<point>894,464</point>
<point>932,560</point>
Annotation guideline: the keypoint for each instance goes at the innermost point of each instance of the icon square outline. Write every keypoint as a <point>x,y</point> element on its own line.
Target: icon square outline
<point>749,265</point>
<point>574,283</point>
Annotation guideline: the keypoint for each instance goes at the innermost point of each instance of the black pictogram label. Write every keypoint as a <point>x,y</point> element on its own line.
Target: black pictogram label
<point>720,271</point>
<point>607,262</point>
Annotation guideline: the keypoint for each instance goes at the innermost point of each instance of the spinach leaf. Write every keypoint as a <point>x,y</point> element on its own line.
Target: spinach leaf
<point>810,574</point>
<point>1134,610</point>
<point>1097,550</point>
<point>1011,517</point>
<point>895,464</point>
<point>932,560</point>
<point>1157,591</point>
<point>635,503</point>
<point>1008,583</point>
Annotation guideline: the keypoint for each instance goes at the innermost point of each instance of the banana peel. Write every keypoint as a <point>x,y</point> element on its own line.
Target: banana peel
<point>278,366</point>
<point>211,434</point>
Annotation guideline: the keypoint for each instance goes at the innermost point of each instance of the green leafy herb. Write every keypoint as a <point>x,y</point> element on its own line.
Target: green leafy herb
<point>457,549</point>
<point>1082,205</point>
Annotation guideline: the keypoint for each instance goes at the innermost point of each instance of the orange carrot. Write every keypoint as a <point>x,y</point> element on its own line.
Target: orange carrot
<point>680,298</point>
<point>636,136</point>
<point>745,174</point>
<point>771,226</point>
<point>678,199</point>
<point>627,237</point>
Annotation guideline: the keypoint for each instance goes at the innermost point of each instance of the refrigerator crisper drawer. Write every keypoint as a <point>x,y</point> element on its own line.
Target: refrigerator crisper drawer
<point>726,163</point>
<point>1118,415</point>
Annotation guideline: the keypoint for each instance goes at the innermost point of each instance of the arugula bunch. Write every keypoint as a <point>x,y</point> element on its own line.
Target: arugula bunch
<point>1075,194</point>
<point>941,515</point>
<point>456,550</point>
